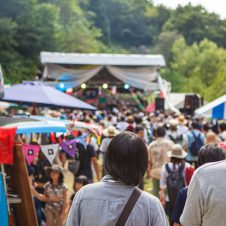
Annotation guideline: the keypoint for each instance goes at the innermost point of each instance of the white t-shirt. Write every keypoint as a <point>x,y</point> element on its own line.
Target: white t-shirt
<point>164,173</point>
<point>206,199</point>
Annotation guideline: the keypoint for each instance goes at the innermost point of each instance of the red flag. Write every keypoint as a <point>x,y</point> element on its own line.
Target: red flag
<point>7,142</point>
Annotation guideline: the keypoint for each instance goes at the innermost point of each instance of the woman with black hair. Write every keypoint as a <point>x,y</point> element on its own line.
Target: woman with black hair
<point>116,200</point>
<point>55,194</point>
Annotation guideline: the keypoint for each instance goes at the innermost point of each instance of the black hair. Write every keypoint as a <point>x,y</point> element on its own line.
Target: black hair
<point>210,153</point>
<point>60,179</point>
<point>175,160</point>
<point>126,159</point>
<point>139,128</point>
<point>206,127</point>
<point>82,180</point>
<point>195,125</point>
<point>222,126</point>
<point>160,131</point>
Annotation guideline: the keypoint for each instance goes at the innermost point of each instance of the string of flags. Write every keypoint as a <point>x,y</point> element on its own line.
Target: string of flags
<point>50,151</point>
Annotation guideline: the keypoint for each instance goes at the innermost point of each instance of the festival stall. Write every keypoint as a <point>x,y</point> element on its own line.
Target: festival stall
<point>16,199</point>
<point>17,153</point>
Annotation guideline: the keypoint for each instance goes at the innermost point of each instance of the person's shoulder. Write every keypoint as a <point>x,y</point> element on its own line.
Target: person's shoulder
<point>149,199</point>
<point>211,168</point>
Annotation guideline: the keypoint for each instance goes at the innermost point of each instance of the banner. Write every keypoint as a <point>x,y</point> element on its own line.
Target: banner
<point>50,151</point>
<point>3,204</point>
<point>69,147</point>
<point>30,152</point>
<point>7,140</point>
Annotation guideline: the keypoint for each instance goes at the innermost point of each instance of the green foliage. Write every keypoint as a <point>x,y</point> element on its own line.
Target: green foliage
<point>202,64</point>
<point>191,39</point>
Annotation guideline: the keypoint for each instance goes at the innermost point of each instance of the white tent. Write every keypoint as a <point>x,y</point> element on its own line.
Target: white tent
<point>139,71</point>
<point>215,109</point>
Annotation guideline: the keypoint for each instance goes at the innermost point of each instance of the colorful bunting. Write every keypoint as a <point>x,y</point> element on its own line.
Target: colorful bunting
<point>30,152</point>
<point>6,145</point>
<point>69,147</point>
<point>50,151</point>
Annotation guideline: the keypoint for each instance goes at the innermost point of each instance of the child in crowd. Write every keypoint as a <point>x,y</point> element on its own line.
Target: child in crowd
<point>80,181</point>
<point>55,193</point>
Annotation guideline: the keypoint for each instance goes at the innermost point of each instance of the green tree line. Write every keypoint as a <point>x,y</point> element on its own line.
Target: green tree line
<point>191,39</point>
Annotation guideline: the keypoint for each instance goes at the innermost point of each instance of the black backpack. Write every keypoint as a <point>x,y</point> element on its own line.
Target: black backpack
<point>175,181</point>
<point>177,140</point>
<point>196,144</point>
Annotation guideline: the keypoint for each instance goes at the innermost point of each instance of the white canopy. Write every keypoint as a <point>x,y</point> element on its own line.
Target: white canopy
<point>139,71</point>
<point>102,59</point>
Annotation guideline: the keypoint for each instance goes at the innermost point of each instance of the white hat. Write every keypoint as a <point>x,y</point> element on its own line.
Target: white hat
<point>173,122</point>
<point>177,152</point>
<point>111,131</point>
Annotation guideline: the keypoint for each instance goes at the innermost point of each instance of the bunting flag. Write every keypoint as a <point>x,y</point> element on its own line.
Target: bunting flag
<point>82,139</point>
<point>30,152</point>
<point>69,146</point>
<point>6,145</point>
<point>50,151</point>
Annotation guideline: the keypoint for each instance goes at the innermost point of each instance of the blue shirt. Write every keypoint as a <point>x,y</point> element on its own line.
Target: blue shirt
<point>191,139</point>
<point>100,204</point>
<point>179,205</point>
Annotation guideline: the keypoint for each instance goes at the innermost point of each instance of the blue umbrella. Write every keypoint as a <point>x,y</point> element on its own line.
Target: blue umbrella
<point>42,95</point>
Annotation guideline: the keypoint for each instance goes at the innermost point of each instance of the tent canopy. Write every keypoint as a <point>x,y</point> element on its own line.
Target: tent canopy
<point>215,109</point>
<point>139,71</point>
<point>42,95</point>
<point>102,59</point>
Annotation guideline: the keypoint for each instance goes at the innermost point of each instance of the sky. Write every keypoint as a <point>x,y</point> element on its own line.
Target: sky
<point>217,6</point>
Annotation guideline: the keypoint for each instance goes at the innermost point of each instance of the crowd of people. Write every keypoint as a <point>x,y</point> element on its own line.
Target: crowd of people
<point>158,152</point>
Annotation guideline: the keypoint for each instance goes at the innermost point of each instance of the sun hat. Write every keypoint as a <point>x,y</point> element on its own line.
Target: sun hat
<point>177,152</point>
<point>181,120</point>
<point>56,168</point>
<point>173,123</point>
<point>111,131</point>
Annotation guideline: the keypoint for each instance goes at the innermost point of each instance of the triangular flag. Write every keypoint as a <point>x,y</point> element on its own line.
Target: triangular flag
<point>50,151</point>
<point>30,152</point>
<point>82,139</point>
<point>69,146</point>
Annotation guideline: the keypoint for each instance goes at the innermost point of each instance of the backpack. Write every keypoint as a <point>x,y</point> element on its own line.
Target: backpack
<point>221,138</point>
<point>196,144</point>
<point>175,181</point>
<point>177,140</point>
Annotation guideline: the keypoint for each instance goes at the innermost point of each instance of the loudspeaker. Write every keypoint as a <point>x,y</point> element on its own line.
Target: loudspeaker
<point>159,104</point>
<point>191,103</point>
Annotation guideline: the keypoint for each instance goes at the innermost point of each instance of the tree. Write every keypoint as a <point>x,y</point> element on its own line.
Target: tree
<point>200,64</point>
<point>196,24</point>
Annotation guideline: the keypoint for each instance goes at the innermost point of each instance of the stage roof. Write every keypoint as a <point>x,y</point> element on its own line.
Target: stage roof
<point>102,59</point>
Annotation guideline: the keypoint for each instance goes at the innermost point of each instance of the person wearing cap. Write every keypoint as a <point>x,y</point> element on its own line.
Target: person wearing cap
<point>182,128</point>
<point>174,134</point>
<point>177,162</point>
<point>108,133</point>
<point>55,195</point>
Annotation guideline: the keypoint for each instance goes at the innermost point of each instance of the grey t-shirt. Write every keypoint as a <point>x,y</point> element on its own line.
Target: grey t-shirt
<point>206,199</point>
<point>100,204</point>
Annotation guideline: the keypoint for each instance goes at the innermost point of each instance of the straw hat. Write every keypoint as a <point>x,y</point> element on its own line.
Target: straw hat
<point>181,119</point>
<point>177,152</point>
<point>111,131</point>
